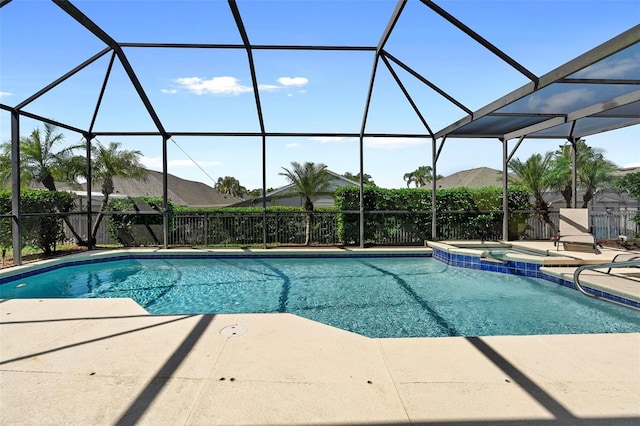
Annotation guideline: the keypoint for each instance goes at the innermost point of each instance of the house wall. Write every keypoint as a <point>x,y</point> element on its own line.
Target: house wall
<point>600,202</point>
<point>285,201</point>
<point>321,201</point>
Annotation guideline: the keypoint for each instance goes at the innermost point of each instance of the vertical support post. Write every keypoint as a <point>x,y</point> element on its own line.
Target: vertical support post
<point>574,173</point>
<point>206,228</point>
<point>264,191</point>
<point>90,243</point>
<point>361,191</point>
<point>165,193</point>
<point>16,223</point>
<point>434,161</point>
<point>505,189</point>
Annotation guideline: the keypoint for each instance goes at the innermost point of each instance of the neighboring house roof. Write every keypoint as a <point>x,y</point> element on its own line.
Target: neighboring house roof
<point>480,177</point>
<point>337,181</point>
<point>627,170</point>
<point>484,177</point>
<point>60,186</point>
<point>180,191</point>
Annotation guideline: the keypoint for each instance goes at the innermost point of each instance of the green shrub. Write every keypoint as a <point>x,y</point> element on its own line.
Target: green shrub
<point>461,213</point>
<point>42,232</point>
<point>127,228</point>
<point>238,226</point>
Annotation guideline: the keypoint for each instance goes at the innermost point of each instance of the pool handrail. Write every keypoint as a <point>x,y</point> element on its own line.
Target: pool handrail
<point>632,256</point>
<point>595,267</point>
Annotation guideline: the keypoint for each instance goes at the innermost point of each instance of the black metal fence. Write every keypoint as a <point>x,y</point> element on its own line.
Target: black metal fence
<point>326,228</point>
<point>237,228</point>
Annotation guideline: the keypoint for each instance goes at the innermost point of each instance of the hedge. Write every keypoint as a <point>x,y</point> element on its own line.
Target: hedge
<point>39,231</point>
<point>461,213</point>
<point>126,227</point>
<point>244,225</point>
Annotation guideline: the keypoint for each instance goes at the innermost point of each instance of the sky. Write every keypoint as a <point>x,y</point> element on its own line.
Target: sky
<point>210,90</point>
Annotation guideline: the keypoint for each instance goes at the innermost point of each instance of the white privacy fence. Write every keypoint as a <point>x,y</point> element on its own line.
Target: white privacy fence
<point>603,225</point>
<point>614,224</point>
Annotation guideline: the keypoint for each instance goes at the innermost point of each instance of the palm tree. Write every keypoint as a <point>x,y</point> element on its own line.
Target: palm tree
<point>309,180</point>
<point>39,162</point>
<point>560,176</point>
<point>254,193</point>
<point>109,162</point>
<point>629,183</point>
<point>420,177</point>
<point>596,173</point>
<point>366,178</point>
<point>5,167</point>
<point>532,175</point>
<point>231,186</point>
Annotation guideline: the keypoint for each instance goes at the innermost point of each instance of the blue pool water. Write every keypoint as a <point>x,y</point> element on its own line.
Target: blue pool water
<point>376,297</point>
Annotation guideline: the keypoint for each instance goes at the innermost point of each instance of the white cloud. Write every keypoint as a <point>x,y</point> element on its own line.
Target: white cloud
<point>612,68</point>
<point>227,85</point>
<point>393,143</point>
<point>559,101</point>
<point>293,81</point>
<point>285,83</point>
<point>325,139</point>
<point>155,163</point>
<point>4,94</point>
<point>293,145</point>
<point>631,165</point>
<point>268,87</point>
<point>224,85</point>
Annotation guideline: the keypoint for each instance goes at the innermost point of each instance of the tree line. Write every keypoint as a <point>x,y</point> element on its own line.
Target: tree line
<point>41,163</point>
<point>553,171</point>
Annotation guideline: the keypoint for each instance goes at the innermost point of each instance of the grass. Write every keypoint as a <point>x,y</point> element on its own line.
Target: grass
<point>31,253</point>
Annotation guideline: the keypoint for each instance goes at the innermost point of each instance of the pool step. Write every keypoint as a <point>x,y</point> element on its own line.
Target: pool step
<point>486,256</point>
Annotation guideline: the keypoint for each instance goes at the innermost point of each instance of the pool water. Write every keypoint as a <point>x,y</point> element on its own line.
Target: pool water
<point>499,253</point>
<point>376,297</point>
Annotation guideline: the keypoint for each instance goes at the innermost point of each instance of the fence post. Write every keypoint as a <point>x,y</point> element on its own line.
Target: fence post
<point>206,228</point>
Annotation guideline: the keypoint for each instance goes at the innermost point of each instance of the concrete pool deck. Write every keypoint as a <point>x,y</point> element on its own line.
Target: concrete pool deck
<point>106,361</point>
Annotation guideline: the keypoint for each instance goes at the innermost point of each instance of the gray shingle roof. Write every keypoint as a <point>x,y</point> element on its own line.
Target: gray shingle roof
<point>181,192</point>
<point>479,177</point>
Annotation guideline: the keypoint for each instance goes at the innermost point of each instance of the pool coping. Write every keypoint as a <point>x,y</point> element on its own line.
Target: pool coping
<point>515,264</point>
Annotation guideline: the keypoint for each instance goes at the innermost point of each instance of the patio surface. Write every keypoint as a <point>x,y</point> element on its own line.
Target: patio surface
<point>106,361</point>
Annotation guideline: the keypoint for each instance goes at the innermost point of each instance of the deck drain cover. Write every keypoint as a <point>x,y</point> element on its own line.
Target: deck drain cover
<point>233,330</point>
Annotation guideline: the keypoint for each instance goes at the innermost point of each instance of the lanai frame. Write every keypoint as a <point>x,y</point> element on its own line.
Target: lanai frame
<point>623,107</point>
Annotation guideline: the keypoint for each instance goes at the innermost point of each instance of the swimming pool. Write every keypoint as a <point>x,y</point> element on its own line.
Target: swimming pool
<point>373,296</point>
